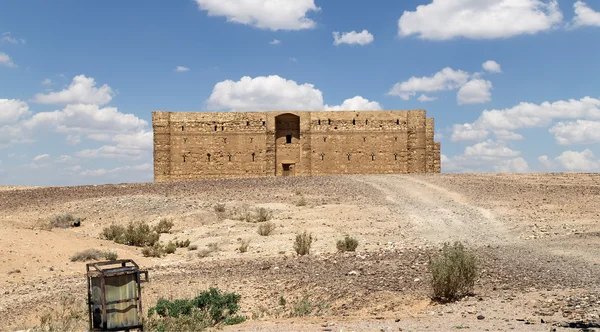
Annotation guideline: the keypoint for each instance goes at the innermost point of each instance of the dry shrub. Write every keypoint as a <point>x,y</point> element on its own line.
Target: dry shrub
<point>164,226</point>
<point>63,221</point>
<point>244,245</point>
<point>301,202</point>
<point>210,248</point>
<point>192,247</point>
<point>170,248</point>
<point>68,315</point>
<point>453,273</point>
<point>219,207</point>
<point>183,244</point>
<point>93,255</point>
<point>257,215</point>
<point>303,243</point>
<point>157,250</point>
<point>266,229</point>
<point>137,234</point>
<point>347,244</point>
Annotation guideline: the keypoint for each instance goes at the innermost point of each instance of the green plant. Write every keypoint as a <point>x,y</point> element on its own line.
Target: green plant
<point>263,214</point>
<point>93,255</point>
<point>170,248</point>
<point>155,250</point>
<point>302,308</point>
<point>266,229</point>
<point>183,244</point>
<point>244,245</point>
<point>164,226</point>
<point>347,244</point>
<point>219,207</point>
<point>114,233</point>
<point>137,234</point>
<point>303,243</point>
<point>453,273</point>
<point>210,308</point>
<point>67,316</point>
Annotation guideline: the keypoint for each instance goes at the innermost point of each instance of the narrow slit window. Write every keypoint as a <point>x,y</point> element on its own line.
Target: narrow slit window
<point>397,122</point>
<point>319,122</point>
<point>251,139</point>
<point>215,127</point>
<point>354,122</point>
<point>183,158</point>
<point>324,139</point>
<point>288,139</point>
<point>229,156</point>
<point>253,154</point>
<point>247,123</point>
<point>395,156</point>
<point>372,157</point>
<point>366,122</point>
<point>222,128</point>
<point>322,156</point>
<point>182,128</point>
<point>348,156</point>
<point>208,156</point>
<point>364,139</point>
<point>396,139</point>
<point>263,123</point>
<point>328,121</point>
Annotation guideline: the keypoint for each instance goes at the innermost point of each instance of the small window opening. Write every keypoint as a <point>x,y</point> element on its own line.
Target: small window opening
<point>396,139</point>
<point>395,156</point>
<point>354,122</point>
<point>397,122</point>
<point>324,139</point>
<point>215,127</point>
<point>322,156</point>
<point>366,122</point>
<point>222,128</point>
<point>263,123</point>
<point>185,140</point>
<point>372,157</point>
<point>328,121</point>
<point>253,156</point>
<point>364,139</point>
<point>348,154</point>
<point>208,155</point>
<point>288,139</point>
<point>224,139</point>
<point>319,122</point>
<point>251,139</point>
<point>229,156</point>
<point>247,123</point>
<point>182,128</point>
<point>183,158</point>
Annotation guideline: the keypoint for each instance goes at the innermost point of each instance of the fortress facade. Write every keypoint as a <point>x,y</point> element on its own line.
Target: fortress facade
<point>287,143</point>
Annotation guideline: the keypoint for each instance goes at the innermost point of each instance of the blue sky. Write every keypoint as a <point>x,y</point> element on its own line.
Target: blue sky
<point>513,85</point>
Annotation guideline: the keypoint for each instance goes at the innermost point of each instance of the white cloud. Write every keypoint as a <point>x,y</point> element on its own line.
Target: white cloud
<point>585,16</point>
<point>101,172</point>
<point>486,156</point>
<point>476,91</point>
<point>360,38</point>
<point>357,103</point>
<point>11,110</point>
<point>293,59</point>
<point>528,115</point>
<point>265,93</point>
<point>467,132</point>
<point>111,152</point>
<point>181,69</point>
<point>446,79</point>
<point>491,66</point>
<point>424,98</point>
<point>479,19</point>
<point>546,162</point>
<point>44,156</point>
<point>576,132</point>
<point>264,14</point>
<point>6,37</point>
<point>507,135</point>
<point>579,161</point>
<point>82,90</point>
<point>64,159</point>
<point>275,42</point>
<point>5,60</point>
<point>47,81</point>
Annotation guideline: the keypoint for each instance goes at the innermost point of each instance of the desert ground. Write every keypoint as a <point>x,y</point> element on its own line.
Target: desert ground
<point>536,238</point>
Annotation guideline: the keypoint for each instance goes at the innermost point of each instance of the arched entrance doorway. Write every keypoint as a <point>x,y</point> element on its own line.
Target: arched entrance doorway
<point>287,144</point>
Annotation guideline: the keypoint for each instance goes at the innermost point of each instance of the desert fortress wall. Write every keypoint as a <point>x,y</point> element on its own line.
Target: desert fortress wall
<point>286,143</point>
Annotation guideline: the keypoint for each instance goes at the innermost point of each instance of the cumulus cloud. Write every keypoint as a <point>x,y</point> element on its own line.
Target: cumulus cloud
<point>264,93</point>
<point>47,81</point>
<point>263,14</point>
<point>5,60</point>
<point>44,156</point>
<point>357,38</point>
<point>575,161</point>
<point>487,156</point>
<point>357,103</point>
<point>491,66</point>
<point>585,16</point>
<point>425,98</point>
<point>275,42</point>
<point>446,79</point>
<point>576,132</point>
<point>82,90</point>
<point>7,37</point>
<point>476,91</point>
<point>181,69</point>
<point>528,115</point>
<point>489,19</point>
<point>11,110</point>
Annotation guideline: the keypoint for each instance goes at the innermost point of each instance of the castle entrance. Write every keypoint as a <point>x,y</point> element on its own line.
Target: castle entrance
<point>287,144</point>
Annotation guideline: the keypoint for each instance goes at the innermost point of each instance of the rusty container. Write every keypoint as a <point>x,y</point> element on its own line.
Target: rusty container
<point>114,295</point>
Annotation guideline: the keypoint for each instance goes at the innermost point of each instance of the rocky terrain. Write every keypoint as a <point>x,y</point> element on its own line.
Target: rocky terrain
<point>536,236</point>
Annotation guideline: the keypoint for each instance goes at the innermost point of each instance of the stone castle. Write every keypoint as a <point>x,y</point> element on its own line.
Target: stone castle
<point>286,143</point>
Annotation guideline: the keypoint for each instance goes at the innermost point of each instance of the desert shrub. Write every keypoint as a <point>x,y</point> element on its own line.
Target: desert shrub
<point>219,207</point>
<point>68,315</point>
<point>301,201</point>
<point>347,244</point>
<point>210,308</point>
<point>302,308</point>
<point>156,250</point>
<point>453,273</point>
<point>63,221</point>
<point>192,247</point>
<point>114,233</point>
<point>303,243</point>
<point>210,248</point>
<point>263,214</point>
<point>170,248</point>
<point>93,255</point>
<point>183,244</point>
<point>244,245</point>
<point>164,226</point>
<point>265,229</point>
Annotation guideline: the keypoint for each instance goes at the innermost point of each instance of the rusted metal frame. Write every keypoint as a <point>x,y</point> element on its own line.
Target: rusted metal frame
<point>89,291</point>
<point>139,294</point>
<point>103,298</point>
<point>122,300</point>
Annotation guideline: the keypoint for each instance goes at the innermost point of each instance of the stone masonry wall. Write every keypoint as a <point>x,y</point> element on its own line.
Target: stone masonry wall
<point>302,143</point>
